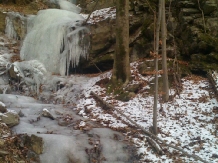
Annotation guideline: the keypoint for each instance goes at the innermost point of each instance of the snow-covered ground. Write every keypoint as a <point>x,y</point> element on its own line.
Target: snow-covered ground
<point>187,121</point>
<point>100,15</point>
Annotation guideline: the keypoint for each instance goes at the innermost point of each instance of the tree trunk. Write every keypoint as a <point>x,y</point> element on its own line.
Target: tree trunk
<point>157,33</point>
<point>164,57</point>
<point>121,67</point>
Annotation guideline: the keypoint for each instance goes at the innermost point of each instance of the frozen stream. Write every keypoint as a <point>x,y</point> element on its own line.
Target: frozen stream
<point>67,137</point>
<point>67,143</point>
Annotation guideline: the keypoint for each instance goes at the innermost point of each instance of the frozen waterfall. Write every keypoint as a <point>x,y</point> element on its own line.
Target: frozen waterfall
<point>57,38</point>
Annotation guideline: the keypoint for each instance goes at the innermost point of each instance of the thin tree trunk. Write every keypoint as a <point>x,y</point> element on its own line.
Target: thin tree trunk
<point>157,33</point>
<point>121,67</point>
<point>164,57</point>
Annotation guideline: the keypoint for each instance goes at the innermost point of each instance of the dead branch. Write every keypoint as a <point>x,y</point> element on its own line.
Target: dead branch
<point>202,13</point>
<point>155,145</point>
<point>104,104</point>
<point>91,12</point>
<point>107,106</point>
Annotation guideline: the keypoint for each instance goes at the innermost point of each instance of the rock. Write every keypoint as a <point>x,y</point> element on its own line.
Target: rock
<point>10,118</point>
<point>4,130</point>
<point>16,25</point>
<point>32,156</point>
<point>36,144</point>
<point>187,4</point>
<point>189,11</point>
<point>63,122</point>
<point>46,113</point>
<point>33,142</point>
<point>133,88</point>
<point>2,108</point>
<point>2,22</point>
<point>87,5</point>
<point>209,6</point>
<point>13,72</point>
<point>20,113</point>
<point>125,96</point>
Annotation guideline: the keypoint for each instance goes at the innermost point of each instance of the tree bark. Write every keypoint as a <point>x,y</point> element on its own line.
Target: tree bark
<point>164,57</point>
<point>121,67</point>
<point>157,35</point>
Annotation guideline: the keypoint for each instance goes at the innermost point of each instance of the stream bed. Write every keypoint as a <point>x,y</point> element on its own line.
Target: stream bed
<point>66,136</point>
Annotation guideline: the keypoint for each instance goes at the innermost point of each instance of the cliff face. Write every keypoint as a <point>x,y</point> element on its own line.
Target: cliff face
<point>192,31</point>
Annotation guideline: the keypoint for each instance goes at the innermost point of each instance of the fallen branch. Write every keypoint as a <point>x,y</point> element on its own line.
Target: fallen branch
<point>155,145</point>
<point>108,106</point>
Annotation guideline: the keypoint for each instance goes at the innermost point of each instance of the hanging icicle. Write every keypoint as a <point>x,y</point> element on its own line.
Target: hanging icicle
<point>56,38</point>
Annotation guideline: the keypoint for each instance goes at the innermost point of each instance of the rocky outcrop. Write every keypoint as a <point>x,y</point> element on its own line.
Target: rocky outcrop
<point>197,33</point>
<point>195,39</point>
<point>104,37</point>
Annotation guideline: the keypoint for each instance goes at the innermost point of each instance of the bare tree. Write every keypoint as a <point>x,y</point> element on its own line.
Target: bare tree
<point>164,57</point>
<point>156,47</point>
<point>121,67</point>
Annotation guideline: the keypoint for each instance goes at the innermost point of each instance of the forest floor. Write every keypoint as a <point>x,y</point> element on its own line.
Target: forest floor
<point>189,120</point>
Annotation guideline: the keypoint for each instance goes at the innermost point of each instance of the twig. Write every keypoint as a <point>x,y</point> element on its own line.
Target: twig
<point>91,12</point>
<point>153,10</point>
<point>96,66</point>
<point>108,106</point>
<point>202,13</point>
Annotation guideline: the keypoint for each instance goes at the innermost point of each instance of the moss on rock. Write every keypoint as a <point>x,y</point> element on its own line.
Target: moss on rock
<point>209,40</point>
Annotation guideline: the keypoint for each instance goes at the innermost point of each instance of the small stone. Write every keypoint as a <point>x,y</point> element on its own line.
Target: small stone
<point>21,114</point>
<point>2,108</point>
<point>46,113</point>
<point>62,122</point>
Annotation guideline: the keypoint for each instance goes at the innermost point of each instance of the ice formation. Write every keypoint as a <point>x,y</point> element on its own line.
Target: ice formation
<point>31,73</point>
<point>57,38</point>
<point>65,5</point>
<point>10,29</point>
<point>56,1</point>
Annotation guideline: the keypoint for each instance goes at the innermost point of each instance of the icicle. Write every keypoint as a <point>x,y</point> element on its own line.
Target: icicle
<point>78,45</point>
<point>56,39</point>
